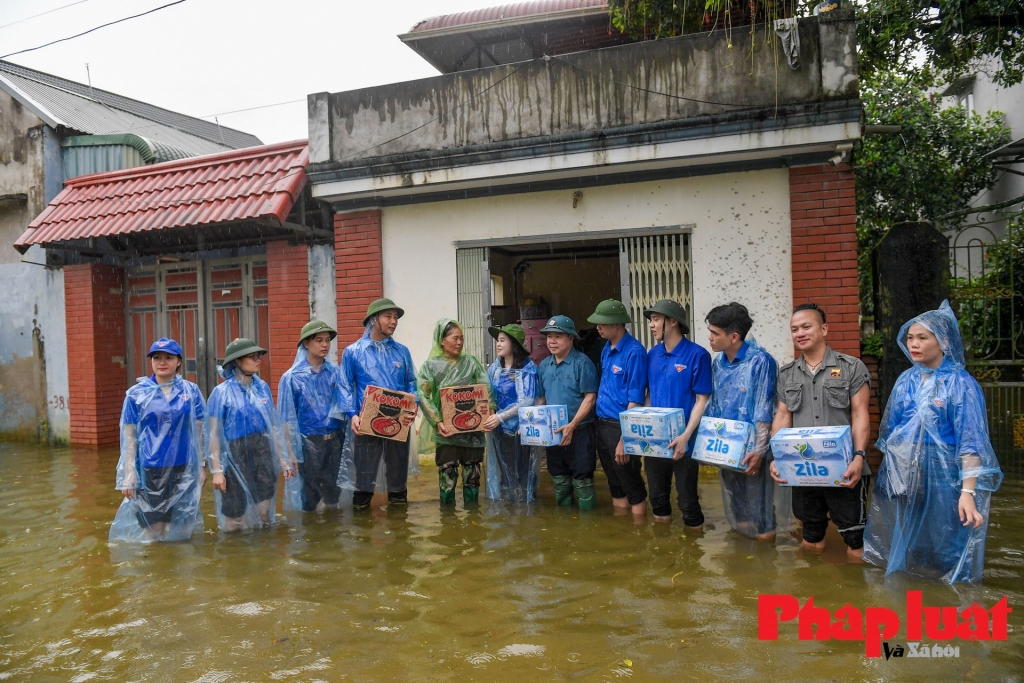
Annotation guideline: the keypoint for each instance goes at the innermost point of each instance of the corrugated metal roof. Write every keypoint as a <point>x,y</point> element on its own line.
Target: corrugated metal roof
<point>255,184</point>
<point>98,112</point>
<point>511,12</point>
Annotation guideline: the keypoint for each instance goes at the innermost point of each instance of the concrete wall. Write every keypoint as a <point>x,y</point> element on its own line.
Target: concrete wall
<point>33,348</point>
<point>702,74</point>
<point>741,244</point>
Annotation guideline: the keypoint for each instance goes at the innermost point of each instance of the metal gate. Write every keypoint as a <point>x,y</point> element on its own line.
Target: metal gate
<point>655,267</point>
<point>986,278</point>
<point>201,304</point>
<point>474,292</point>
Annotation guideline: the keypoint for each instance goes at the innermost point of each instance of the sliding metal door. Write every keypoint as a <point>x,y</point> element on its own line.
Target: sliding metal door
<point>655,267</point>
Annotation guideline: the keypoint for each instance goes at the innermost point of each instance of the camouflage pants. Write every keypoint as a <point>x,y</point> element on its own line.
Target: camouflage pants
<point>448,477</point>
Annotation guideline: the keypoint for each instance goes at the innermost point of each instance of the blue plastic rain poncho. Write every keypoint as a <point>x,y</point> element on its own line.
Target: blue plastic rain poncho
<point>511,469</point>
<point>377,465</point>
<point>934,435</point>
<point>161,457</point>
<point>745,390</point>
<point>441,371</point>
<point>306,399</point>
<point>247,446</point>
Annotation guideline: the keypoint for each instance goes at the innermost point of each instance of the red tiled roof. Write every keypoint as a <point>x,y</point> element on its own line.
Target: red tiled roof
<point>510,12</point>
<point>252,184</point>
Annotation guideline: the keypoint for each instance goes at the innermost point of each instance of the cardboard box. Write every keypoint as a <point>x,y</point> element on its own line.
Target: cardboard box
<point>537,425</point>
<point>648,431</point>
<point>723,442</point>
<point>813,456</point>
<point>382,413</point>
<point>464,409</point>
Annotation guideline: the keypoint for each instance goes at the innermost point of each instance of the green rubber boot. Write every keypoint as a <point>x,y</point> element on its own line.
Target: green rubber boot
<point>563,488</point>
<point>470,494</point>
<point>585,494</point>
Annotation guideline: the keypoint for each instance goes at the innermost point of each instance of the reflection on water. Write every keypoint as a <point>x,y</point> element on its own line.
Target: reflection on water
<point>427,594</point>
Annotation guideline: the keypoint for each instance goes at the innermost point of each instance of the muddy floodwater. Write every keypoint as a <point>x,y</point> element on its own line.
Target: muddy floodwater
<point>488,594</point>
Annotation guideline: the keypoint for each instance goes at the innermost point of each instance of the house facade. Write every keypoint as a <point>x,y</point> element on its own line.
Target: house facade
<point>59,129</point>
<point>702,168</point>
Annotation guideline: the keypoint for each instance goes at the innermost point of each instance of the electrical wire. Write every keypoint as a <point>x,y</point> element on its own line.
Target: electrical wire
<point>262,106</point>
<point>49,11</point>
<point>97,28</point>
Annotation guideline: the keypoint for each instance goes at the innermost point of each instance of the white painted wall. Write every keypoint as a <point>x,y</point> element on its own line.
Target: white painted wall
<point>323,303</point>
<point>741,244</point>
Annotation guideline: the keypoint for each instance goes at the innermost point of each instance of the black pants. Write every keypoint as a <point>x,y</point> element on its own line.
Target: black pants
<point>624,481</point>
<point>659,479</point>
<point>578,458</point>
<point>321,460</point>
<point>158,491</point>
<point>367,452</point>
<point>847,508</point>
<point>249,474</point>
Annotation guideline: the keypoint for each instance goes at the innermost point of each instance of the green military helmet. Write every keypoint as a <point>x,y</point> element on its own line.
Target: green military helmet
<point>670,309</point>
<point>241,347</point>
<point>379,306</point>
<point>610,312</point>
<point>315,327</point>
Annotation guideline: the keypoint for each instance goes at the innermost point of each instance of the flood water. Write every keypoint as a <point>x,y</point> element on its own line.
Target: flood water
<point>488,594</point>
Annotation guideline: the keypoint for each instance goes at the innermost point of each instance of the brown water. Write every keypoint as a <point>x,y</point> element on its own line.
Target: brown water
<point>492,594</point>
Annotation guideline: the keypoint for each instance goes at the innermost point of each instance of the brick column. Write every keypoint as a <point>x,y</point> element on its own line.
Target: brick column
<point>359,269</point>
<point>288,303</point>
<point>97,351</point>
<point>823,217</point>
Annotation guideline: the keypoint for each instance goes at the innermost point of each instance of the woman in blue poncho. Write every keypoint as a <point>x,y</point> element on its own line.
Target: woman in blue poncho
<point>246,440</point>
<point>930,502</point>
<point>160,471</point>
<point>512,470</point>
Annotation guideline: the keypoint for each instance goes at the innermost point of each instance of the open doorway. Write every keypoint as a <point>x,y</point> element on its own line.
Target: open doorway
<point>528,280</point>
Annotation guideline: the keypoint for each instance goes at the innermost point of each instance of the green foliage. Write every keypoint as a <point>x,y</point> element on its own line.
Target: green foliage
<point>933,167</point>
<point>954,36</point>
<point>872,345</point>
<point>653,19</point>
<point>646,19</point>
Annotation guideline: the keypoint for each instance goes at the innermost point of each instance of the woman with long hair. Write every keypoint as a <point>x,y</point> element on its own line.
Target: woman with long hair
<point>512,469</point>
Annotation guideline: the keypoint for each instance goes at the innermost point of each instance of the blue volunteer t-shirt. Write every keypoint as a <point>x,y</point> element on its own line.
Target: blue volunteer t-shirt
<point>312,394</point>
<point>676,377</point>
<point>163,424</point>
<point>623,377</point>
<point>565,383</point>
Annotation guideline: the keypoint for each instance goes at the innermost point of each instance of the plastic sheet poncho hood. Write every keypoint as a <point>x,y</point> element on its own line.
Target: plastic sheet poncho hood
<point>385,363</point>
<point>934,435</point>
<point>512,471</point>
<point>247,445</point>
<point>439,371</point>
<point>308,402</point>
<point>744,390</point>
<point>161,455</point>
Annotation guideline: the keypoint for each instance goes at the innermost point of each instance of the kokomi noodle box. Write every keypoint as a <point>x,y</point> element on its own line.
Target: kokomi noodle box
<point>382,413</point>
<point>465,408</point>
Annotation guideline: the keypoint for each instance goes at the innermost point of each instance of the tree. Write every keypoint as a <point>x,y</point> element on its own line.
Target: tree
<point>933,167</point>
<point>653,19</point>
<point>954,36</point>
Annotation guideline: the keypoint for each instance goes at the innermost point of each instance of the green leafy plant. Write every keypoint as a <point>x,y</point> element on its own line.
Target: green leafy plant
<point>871,345</point>
<point>934,166</point>
<point>954,37</point>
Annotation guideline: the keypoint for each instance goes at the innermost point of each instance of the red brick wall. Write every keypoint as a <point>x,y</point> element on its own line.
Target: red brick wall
<point>288,300</point>
<point>824,226</point>
<point>359,270</point>
<point>97,349</point>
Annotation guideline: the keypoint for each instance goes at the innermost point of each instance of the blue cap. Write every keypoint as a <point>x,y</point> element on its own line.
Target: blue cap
<point>166,346</point>
<point>560,323</point>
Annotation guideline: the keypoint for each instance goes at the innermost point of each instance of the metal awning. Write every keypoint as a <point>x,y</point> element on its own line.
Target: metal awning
<point>235,198</point>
